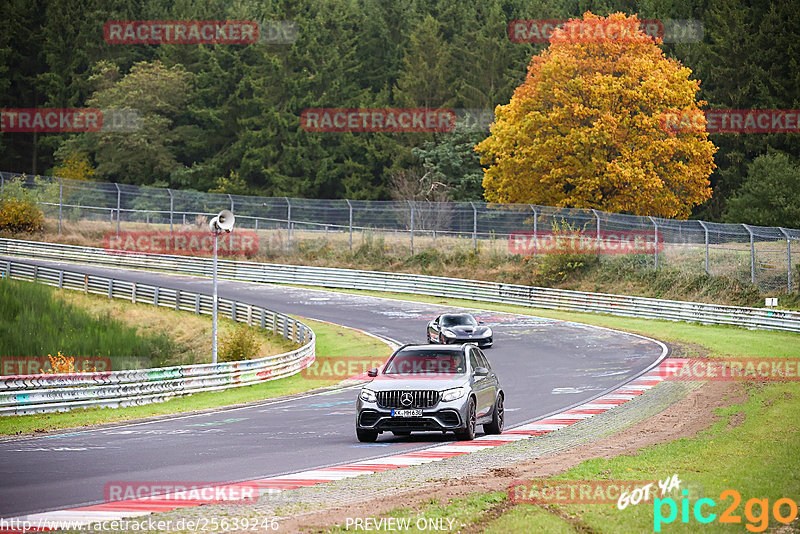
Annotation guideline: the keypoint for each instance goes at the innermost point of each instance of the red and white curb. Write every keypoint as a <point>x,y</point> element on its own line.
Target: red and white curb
<point>133,508</point>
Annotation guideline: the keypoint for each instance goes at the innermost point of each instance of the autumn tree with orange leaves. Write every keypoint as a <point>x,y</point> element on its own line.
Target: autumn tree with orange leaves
<point>586,128</point>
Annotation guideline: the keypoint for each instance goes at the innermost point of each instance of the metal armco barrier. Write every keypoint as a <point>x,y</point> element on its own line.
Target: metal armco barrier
<point>25,394</point>
<point>537,297</point>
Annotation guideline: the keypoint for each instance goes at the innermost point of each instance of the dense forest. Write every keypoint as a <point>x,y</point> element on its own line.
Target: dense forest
<point>226,117</point>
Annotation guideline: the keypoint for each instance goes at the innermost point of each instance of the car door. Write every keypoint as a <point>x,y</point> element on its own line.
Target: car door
<point>492,382</point>
<point>481,385</point>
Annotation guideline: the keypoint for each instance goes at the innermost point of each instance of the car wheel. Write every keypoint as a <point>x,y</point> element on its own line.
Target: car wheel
<point>468,434</point>
<point>366,436</point>
<point>498,418</point>
<point>401,433</point>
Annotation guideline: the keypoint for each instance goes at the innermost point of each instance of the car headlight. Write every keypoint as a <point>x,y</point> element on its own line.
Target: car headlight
<point>488,332</point>
<point>448,333</point>
<point>453,394</point>
<point>367,395</point>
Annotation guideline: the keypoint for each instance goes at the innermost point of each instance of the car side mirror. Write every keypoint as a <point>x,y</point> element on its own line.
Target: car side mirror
<point>480,322</point>
<point>373,372</point>
<point>481,371</point>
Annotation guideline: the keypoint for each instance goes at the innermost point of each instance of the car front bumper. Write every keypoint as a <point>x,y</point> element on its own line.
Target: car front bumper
<point>445,416</point>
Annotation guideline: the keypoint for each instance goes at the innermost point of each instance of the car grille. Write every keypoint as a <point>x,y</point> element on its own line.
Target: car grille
<point>369,418</point>
<point>419,398</point>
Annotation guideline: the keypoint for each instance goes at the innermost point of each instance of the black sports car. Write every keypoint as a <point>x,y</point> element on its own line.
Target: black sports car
<point>459,328</point>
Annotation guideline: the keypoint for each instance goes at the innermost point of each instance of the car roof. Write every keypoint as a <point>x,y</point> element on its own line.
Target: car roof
<point>456,314</point>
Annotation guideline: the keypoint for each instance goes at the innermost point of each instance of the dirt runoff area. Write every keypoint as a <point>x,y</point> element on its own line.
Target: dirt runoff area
<point>685,418</point>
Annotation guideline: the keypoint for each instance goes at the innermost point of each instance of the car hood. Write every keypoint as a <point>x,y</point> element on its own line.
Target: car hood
<point>412,382</point>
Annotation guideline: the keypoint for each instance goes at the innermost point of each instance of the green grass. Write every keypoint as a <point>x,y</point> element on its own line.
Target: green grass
<point>333,343</point>
<point>35,322</point>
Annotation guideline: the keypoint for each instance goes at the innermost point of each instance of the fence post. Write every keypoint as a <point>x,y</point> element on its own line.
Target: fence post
<point>788,259</point>
<point>231,199</point>
<point>350,207</point>
<point>118,206</point>
<point>752,255</point>
<point>171,199</point>
<point>411,206</point>
<point>705,228</point>
<point>655,234</point>
<point>474,226</point>
<point>288,223</point>
<point>597,217</point>
<point>60,202</point>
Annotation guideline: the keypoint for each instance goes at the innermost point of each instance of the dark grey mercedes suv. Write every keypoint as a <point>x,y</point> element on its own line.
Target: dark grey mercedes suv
<point>422,388</point>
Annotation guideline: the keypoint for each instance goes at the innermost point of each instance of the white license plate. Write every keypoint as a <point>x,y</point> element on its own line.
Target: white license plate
<point>406,413</point>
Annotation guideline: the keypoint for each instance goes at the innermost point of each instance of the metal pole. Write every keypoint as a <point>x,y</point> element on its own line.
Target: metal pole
<point>288,223</point>
<point>535,225</point>
<point>60,202</point>
<point>118,205</point>
<point>214,304</point>
<point>410,205</point>
<point>706,231</point>
<point>788,260</point>
<point>752,255</point>
<point>350,207</point>
<point>474,226</point>
<point>171,211</point>
<point>231,199</point>
<point>655,249</point>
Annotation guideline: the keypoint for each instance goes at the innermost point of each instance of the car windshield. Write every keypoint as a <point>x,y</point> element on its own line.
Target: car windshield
<point>426,361</point>
<point>458,320</point>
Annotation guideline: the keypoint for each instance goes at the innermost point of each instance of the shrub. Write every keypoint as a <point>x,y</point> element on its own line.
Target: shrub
<point>20,216</point>
<point>241,343</point>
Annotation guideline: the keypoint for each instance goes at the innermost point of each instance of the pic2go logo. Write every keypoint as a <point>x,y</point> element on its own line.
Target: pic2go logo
<point>757,522</point>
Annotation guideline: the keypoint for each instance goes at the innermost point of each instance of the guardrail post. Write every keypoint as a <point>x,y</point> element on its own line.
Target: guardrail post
<point>788,259</point>
<point>350,208</point>
<point>133,293</point>
<point>197,304</point>
<point>705,228</point>
<point>86,284</point>
<point>60,202</point>
<point>155,297</point>
<point>474,226</point>
<point>110,287</point>
<point>118,205</point>
<point>752,255</point>
<point>655,250</point>
<point>288,223</point>
<point>177,299</point>
<point>8,269</point>
<point>35,272</point>
<point>286,328</point>
<point>410,205</point>
<point>171,211</point>
<point>233,311</point>
<point>60,279</point>
<point>274,323</point>
<point>263,318</point>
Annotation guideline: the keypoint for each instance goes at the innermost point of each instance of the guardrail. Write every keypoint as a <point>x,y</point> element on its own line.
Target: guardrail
<point>479,290</point>
<point>25,394</point>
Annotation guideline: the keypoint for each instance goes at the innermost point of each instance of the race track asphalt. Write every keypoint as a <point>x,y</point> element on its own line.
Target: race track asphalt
<point>544,365</point>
